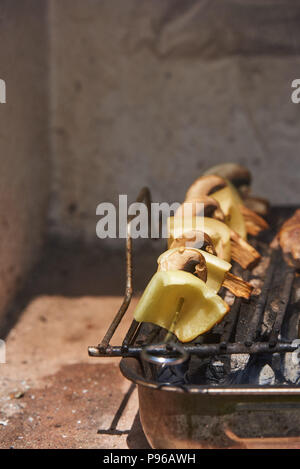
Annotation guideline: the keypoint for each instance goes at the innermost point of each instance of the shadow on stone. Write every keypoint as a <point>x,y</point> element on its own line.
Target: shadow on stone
<point>136,438</point>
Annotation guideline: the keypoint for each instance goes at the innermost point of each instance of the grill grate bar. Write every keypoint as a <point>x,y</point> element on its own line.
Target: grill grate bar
<point>233,317</point>
<point>131,334</point>
<point>283,304</point>
<point>203,350</point>
<point>257,316</point>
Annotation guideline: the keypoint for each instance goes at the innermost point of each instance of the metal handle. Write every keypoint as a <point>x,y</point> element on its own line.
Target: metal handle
<point>146,196</point>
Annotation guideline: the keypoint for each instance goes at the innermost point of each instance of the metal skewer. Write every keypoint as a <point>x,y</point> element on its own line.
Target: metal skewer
<point>150,353</point>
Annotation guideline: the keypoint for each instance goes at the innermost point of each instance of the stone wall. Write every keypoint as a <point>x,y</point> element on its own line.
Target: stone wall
<point>24,175</point>
<point>149,92</point>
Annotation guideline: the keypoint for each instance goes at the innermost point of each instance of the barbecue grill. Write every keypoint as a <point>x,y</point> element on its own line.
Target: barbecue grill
<point>191,395</point>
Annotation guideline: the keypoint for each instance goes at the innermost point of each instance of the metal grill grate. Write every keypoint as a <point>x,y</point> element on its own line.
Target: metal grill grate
<point>257,326</point>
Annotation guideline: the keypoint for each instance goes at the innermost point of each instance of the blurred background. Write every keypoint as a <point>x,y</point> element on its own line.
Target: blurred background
<point>107,96</point>
<point>104,97</point>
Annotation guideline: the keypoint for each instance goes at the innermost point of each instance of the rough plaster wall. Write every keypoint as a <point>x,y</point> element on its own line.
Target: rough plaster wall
<point>148,92</point>
<point>23,135</point>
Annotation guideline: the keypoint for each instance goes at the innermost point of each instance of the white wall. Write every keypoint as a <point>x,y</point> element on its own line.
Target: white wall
<point>148,92</point>
<point>24,174</point>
